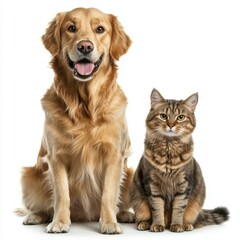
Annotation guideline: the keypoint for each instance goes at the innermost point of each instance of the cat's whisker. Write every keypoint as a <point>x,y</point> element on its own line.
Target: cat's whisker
<point>168,189</point>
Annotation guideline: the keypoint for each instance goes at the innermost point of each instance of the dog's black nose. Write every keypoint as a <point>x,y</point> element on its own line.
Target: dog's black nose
<point>85,47</point>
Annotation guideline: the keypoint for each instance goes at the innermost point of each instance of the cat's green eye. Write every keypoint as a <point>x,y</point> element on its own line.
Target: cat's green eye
<point>181,118</point>
<point>163,116</point>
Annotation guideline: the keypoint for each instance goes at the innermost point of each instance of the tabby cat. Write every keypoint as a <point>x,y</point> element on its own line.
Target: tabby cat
<point>168,189</point>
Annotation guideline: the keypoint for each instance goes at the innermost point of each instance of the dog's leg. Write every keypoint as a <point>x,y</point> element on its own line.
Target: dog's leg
<point>61,218</point>
<point>35,218</point>
<point>108,220</point>
<point>36,197</point>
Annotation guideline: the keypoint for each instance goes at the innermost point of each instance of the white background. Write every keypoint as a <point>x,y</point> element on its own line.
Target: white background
<point>179,47</point>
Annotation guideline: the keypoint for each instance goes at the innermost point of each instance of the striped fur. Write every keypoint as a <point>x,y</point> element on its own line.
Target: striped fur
<point>168,189</point>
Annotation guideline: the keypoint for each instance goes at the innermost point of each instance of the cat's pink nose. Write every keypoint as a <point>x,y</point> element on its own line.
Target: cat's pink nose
<point>171,124</point>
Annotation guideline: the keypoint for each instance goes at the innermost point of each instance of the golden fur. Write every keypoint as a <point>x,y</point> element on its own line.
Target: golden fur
<point>81,172</point>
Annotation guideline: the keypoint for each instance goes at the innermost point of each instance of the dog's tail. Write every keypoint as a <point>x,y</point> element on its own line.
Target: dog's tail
<point>210,217</point>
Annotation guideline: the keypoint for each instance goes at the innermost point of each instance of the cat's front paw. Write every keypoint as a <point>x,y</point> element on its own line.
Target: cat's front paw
<point>157,228</point>
<point>188,227</point>
<point>142,226</point>
<point>177,228</point>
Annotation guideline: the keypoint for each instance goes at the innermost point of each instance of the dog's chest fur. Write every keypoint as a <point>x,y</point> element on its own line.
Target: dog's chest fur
<point>85,145</point>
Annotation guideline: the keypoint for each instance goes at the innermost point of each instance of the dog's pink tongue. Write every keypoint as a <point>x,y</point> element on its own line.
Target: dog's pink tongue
<point>84,68</point>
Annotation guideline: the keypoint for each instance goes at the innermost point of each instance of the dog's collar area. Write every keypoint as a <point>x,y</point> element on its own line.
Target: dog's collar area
<point>84,68</point>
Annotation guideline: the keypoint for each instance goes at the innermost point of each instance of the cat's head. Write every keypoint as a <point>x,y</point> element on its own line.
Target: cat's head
<point>172,118</point>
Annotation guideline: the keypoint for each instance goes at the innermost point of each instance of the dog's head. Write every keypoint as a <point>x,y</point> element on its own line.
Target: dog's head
<point>86,39</point>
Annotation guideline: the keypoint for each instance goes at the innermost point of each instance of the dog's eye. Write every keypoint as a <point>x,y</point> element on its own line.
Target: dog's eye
<point>72,28</point>
<point>100,29</point>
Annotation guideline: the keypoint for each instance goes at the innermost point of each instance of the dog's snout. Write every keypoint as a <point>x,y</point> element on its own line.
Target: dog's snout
<point>85,47</point>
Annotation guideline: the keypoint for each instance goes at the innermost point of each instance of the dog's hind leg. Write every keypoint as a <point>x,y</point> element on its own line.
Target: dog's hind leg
<point>36,218</point>
<point>36,197</point>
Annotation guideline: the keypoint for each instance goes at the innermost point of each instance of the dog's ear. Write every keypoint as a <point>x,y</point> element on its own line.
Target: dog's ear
<point>52,39</point>
<point>120,40</point>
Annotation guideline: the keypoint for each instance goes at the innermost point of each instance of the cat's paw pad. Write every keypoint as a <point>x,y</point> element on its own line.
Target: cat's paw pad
<point>110,228</point>
<point>58,227</point>
<point>176,228</point>
<point>142,226</point>
<point>157,228</point>
<point>188,227</point>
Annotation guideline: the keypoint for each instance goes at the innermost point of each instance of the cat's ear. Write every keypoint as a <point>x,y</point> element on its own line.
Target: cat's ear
<point>156,98</point>
<point>191,102</point>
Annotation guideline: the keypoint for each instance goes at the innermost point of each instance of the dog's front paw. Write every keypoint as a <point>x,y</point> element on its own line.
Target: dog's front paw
<point>110,228</point>
<point>58,227</point>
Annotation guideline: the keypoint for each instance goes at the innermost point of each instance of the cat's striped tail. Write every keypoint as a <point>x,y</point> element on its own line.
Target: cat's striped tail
<point>209,217</point>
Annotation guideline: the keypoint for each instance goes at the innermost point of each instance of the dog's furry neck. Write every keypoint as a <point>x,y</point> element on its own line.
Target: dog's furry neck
<point>83,99</point>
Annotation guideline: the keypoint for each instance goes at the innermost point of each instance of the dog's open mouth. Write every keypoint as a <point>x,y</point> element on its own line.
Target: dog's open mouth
<point>84,68</point>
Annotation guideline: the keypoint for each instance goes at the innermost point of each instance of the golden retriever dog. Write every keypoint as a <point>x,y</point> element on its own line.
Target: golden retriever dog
<point>81,172</point>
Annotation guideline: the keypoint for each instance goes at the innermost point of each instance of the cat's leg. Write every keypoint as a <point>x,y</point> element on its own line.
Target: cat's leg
<point>178,209</point>
<point>140,203</point>
<point>141,209</point>
<point>143,216</point>
<point>157,205</point>
<point>191,214</point>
